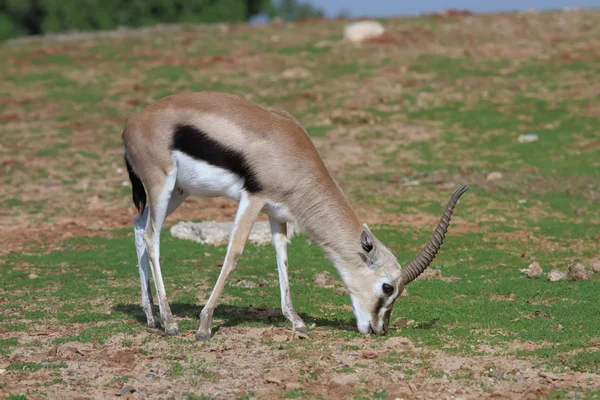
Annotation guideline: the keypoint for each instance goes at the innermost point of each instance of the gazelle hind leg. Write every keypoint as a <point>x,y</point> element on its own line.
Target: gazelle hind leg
<point>280,242</point>
<point>139,226</point>
<point>160,203</point>
<point>247,212</point>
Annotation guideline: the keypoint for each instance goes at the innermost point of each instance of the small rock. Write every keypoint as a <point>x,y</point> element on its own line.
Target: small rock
<point>32,276</point>
<point>362,30</point>
<point>494,176</point>
<point>150,376</point>
<point>533,271</point>
<point>126,389</point>
<point>580,211</point>
<point>528,138</point>
<point>556,276</point>
<point>273,379</point>
<point>596,265</point>
<point>369,354</point>
<point>2,371</point>
<point>404,292</point>
<point>579,272</point>
<point>245,284</point>
<point>296,73</point>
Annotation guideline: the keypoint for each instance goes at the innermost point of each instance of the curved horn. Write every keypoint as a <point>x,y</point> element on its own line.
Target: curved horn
<point>425,257</point>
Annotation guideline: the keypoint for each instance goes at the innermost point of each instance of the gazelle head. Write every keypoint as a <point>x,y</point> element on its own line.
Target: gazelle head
<point>375,285</point>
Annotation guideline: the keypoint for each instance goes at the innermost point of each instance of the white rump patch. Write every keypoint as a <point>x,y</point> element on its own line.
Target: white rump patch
<point>200,178</point>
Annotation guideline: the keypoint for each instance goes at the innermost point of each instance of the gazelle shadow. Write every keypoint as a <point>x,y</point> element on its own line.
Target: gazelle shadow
<point>233,315</point>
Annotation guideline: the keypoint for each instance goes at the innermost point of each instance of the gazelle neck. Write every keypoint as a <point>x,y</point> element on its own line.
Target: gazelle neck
<point>330,222</point>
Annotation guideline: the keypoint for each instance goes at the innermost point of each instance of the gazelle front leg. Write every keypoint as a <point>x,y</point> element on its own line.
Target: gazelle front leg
<point>247,213</point>
<point>280,241</point>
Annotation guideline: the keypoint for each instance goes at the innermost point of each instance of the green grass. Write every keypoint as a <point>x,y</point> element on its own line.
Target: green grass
<point>465,313</point>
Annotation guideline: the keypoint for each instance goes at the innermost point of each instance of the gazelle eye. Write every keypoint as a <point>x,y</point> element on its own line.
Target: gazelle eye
<point>387,289</point>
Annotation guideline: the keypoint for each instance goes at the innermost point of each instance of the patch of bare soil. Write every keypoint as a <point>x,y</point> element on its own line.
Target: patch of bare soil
<point>268,362</point>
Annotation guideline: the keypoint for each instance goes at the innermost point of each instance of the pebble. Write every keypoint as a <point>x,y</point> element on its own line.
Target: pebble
<point>127,389</point>
<point>528,138</point>
<point>533,271</point>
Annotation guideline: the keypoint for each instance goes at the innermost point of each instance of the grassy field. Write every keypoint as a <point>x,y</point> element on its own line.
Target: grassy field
<point>401,122</point>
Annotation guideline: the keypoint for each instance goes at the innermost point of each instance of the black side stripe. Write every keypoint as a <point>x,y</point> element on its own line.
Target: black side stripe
<point>196,144</point>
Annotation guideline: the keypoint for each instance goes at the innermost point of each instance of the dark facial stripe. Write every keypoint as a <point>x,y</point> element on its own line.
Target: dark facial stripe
<point>379,305</point>
<point>196,144</point>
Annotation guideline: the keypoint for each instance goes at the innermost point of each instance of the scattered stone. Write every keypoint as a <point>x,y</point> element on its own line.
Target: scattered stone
<point>528,138</point>
<point>363,30</point>
<point>541,314</point>
<point>245,284</point>
<point>273,379</point>
<point>596,265</point>
<point>556,276</point>
<point>32,276</point>
<point>580,211</point>
<point>369,354</point>
<point>127,389</point>
<point>2,371</point>
<point>150,376</point>
<point>533,271</point>
<point>494,176</point>
<point>217,233</point>
<point>579,272</point>
<point>296,73</point>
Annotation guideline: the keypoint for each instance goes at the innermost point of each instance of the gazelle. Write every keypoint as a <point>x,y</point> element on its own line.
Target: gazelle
<point>216,144</point>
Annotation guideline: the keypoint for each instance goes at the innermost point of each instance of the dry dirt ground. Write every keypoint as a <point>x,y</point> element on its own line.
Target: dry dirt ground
<point>274,363</point>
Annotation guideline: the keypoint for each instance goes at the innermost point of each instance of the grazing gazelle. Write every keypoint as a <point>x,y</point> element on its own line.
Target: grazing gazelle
<point>216,144</point>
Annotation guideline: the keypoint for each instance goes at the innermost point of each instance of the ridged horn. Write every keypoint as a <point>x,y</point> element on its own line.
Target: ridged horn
<point>426,256</point>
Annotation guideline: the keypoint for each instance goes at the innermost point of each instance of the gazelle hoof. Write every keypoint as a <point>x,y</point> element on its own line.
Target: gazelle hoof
<point>301,330</point>
<point>202,335</point>
<point>172,330</point>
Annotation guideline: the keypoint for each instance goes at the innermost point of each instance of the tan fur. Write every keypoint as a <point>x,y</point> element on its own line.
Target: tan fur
<point>277,147</point>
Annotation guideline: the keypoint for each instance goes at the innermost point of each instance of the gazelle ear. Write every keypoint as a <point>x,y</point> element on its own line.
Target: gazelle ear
<point>366,242</point>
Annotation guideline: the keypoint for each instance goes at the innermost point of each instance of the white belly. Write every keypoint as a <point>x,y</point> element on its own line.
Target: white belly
<point>202,179</point>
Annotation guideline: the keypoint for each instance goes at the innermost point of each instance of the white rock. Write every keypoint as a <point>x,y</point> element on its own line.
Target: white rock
<point>362,30</point>
<point>494,176</point>
<point>217,233</point>
<point>555,276</point>
<point>528,138</point>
